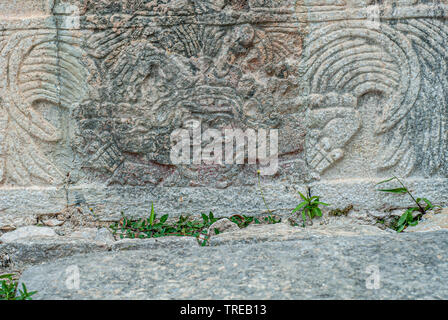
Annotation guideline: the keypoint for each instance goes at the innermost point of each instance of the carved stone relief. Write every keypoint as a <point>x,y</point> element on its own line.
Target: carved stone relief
<point>90,91</point>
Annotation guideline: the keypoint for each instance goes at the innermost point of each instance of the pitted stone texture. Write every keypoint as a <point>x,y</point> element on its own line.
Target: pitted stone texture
<point>283,232</point>
<point>26,252</point>
<point>90,92</point>
<point>28,232</point>
<point>104,235</point>
<point>167,243</point>
<point>53,223</point>
<point>315,268</point>
<point>223,226</point>
<point>431,222</point>
<point>25,8</point>
<point>84,233</point>
<point>22,253</point>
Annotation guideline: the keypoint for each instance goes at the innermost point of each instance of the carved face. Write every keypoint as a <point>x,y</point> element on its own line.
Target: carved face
<point>153,83</point>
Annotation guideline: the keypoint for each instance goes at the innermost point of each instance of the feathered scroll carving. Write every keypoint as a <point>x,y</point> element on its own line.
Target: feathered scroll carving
<point>350,57</point>
<point>35,66</point>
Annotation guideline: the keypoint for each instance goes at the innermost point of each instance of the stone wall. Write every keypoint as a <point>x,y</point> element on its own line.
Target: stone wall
<point>91,91</point>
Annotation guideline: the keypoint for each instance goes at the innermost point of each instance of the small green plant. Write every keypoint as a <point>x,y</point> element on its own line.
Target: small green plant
<point>152,227</point>
<point>8,289</point>
<point>203,238</point>
<point>243,221</point>
<point>309,207</point>
<point>152,216</point>
<point>408,218</point>
<point>210,219</point>
<point>270,219</point>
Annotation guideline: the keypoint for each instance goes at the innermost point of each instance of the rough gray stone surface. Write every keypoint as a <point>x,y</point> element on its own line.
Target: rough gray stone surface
<point>284,232</point>
<point>431,221</point>
<point>167,243</point>
<point>223,226</point>
<point>53,223</point>
<point>84,233</point>
<point>21,253</point>
<point>410,266</point>
<point>32,251</point>
<point>91,91</point>
<point>27,233</point>
<point>104,235</point>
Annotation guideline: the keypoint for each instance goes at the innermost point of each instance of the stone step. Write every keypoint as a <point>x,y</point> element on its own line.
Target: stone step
<point>395,266</point>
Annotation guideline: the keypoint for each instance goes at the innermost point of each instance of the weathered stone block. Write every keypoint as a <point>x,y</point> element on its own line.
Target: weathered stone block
<point>25,8</point>
<point>316,268</point>
<point>91,92</point>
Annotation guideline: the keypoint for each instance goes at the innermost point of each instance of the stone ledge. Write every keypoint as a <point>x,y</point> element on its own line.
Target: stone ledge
<point>154,243</point>
<point>318,268</point>
<point>19,254</point>
<point>283,232</point>
<point>22,204</point>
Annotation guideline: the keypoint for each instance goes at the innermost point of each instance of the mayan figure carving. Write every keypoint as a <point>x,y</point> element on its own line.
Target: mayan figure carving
<point>91,92</point>
<point>163,76</point>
